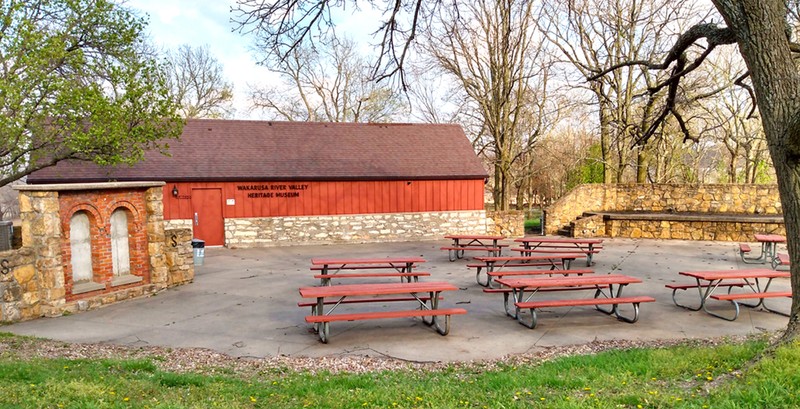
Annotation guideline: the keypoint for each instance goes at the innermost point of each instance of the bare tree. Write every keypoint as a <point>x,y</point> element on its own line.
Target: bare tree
<point>594,34</point>
<point>197,82</point>
<point>490,48</point>
<point>760,29</point>
<point>280,27</point>
<point>331,84</point>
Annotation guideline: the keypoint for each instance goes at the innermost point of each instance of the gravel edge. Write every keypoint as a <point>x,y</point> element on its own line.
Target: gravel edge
<point>206,361</point>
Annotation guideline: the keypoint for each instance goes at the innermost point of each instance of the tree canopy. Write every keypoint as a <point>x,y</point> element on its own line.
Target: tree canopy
<point>77,83</point>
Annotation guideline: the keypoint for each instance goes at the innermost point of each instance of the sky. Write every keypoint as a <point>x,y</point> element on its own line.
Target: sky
<point>208,22</point>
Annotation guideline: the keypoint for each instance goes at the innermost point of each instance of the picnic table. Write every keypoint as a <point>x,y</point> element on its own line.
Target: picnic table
<point>769,245</point>
<point>403,267</point>
<point>708,282</point>
<point>587,246</point>
<point>473,242</point>
<point>607,288</point>
<point>424,295</point>
<point>495,263</point>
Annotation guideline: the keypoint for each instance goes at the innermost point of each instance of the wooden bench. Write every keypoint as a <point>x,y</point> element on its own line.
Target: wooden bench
<point>750,296</point>
<point>415,275</point>
<point>324,320</point>
<point>781,259</point>
<point>553,250</point>
<point>676,287</point>
<point>534,305</point>
<point>355,267</point>
<point>457,252</point>
<point>313,304</point>
<point>744,248</point>
<point>735,298</point>
<point>508,291</point>
<point>504,273</point>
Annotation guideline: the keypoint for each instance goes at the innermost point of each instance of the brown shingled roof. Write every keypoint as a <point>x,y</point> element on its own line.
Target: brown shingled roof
<point>223,150</point>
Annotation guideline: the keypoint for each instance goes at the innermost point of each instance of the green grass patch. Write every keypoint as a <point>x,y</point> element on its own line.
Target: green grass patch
<point>686,376</point>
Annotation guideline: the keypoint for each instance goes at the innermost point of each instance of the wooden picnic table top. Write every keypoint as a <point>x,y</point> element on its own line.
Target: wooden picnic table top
<point>770,238</point>
<point>711,275</point>
<point>544,282</point>
<point>386,260</point>
<point>474,237</point>
<point>558,240</point>
<point>346,290</point>
<point>536,257</point>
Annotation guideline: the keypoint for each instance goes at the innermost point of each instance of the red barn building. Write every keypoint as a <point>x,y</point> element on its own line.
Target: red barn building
<point>259,183</point>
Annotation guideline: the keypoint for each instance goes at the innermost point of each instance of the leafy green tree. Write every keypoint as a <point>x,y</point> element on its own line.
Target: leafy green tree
<point>76,83</point>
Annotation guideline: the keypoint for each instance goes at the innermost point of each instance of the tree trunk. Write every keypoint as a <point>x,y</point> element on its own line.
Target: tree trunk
<point>605,130</point>
<point>642,163</point>
<point>759,29</point>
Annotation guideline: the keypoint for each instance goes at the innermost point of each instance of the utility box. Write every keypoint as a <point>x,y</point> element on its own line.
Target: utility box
<point>199,249</point>
<point>6,234</point>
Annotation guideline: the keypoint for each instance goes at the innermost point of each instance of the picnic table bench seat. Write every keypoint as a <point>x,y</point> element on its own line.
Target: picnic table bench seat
<point>504,273</point>
<point>615,301</point>
<point>781,259</point>
<point>750,296</point>
<point>414,275</point>
<point>355,267</point>
<point>457,252</point>
<point>313,304</point>
<point>506,291</point>
<point>359,316</point>
<point>564,249</point>
<point>511,265</point>
<point>735,300</point>
<point>676,287</point>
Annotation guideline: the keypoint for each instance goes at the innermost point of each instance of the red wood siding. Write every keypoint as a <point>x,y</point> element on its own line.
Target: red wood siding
<point>273,199</point>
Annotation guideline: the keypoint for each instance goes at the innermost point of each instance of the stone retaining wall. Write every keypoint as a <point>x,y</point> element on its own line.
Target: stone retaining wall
<point>690,230</point>
<point>667,198</point>
<point>510,223</point>
<point>361,228</point>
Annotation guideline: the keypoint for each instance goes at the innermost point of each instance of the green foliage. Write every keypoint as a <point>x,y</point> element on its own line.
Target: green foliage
<point>765,172</point>
<point>589,170</point>
<point>77,84</point>
<point>687,376</point>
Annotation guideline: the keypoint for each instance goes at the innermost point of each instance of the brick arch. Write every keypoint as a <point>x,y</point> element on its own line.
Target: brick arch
<point>135,216</point>
<point>96,219</point>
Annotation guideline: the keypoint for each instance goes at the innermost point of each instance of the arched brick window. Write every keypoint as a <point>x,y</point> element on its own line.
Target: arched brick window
<point>120,249</point>
<point>80,241</point>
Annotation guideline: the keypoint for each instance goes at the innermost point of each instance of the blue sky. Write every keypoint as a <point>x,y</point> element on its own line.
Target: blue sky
<point>207,22</point>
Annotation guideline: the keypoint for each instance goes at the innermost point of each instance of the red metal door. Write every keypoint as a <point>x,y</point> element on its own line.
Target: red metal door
<point>207,216</point>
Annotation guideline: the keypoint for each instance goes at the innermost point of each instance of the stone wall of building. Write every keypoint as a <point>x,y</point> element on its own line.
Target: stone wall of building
<point>360,228</point>
<point>717,199</point>
<point>34,278</point>
<point>509,223</point>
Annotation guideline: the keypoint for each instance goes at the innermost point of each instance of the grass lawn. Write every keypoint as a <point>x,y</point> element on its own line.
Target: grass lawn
<point>691,375</point>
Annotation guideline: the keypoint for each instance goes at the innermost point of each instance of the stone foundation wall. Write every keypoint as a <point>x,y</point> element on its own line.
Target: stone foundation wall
<point>361,228</point>
<point>510,223</point>
<point>668,198</point>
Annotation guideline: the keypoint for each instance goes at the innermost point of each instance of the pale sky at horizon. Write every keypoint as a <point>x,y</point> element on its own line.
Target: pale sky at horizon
<point>208,22</point>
